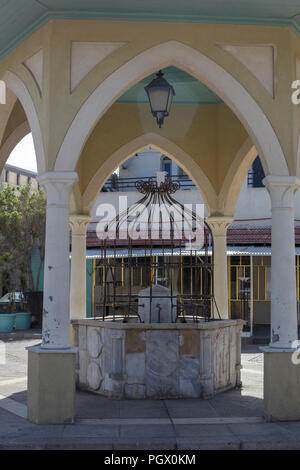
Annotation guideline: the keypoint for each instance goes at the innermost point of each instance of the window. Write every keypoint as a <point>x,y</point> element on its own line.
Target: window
<point>166,165</point>
<point>256,174</point>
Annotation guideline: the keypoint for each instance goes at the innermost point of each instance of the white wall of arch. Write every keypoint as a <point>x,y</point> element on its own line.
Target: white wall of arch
<point>252,203</point>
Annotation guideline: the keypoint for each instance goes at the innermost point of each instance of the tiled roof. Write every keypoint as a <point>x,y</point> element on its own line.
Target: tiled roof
<point>248,232</point>
<point>136,252</point>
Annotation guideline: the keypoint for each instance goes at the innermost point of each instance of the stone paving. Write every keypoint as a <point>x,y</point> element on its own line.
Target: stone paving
<point>232,420</point>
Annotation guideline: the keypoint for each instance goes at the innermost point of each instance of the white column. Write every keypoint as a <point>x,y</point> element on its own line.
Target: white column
<point>219,227</point>
<point>56,324</point>
<point>79,223</point>
<point>284,329</point>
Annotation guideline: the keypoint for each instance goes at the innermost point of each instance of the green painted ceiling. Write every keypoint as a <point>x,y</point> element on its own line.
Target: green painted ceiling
<point>19,18</point>
<point>187,88</point>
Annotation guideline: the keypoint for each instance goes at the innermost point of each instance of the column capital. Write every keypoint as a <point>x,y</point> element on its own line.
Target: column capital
<point>58,186</point>
<point>79,223</point>
<point>219,224</point>
<point>281,190</point>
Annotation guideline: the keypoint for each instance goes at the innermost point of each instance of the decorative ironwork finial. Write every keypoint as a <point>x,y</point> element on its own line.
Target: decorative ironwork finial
<point>150,186</point>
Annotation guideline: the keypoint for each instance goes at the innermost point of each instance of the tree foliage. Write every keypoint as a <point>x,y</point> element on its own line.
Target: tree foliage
<point>22,227</point>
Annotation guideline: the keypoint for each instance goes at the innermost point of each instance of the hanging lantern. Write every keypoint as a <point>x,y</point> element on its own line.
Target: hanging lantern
<point>160,94</point>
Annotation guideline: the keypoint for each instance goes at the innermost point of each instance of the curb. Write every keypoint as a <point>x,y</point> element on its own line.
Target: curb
<point>137,444</point>
<point>26,334</point>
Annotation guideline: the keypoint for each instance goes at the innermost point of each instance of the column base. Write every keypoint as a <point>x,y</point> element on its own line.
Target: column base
<point>281,385</point>
<point>51,386</point>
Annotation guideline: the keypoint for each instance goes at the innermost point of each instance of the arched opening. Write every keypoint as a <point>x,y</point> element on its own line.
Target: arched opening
<point>143,166</point>
<point>204,117</point>
<point>154,251</point>
<point>15,84</point>
<point>23,155</point>
<point>163,148</point>
<point>21,158</point>
<point>23,235</point>
<point>12,142</point>
<point>197,65</point>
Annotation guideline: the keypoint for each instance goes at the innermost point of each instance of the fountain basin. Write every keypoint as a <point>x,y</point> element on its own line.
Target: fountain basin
<point>158,360</point>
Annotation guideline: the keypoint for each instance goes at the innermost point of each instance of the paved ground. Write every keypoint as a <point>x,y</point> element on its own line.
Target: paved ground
<point>232,420</point>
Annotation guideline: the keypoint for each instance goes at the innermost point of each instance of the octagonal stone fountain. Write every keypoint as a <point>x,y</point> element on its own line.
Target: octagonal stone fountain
<point>158,360</point>
<point>157,338</point>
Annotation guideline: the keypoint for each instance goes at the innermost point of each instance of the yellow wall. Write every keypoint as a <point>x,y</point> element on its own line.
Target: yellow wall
<point>16,118</point>
<point>211,135</point>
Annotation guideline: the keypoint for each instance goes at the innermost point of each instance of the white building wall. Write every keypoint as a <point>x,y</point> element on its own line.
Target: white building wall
<point>253,203</point>
<point>144,164</point>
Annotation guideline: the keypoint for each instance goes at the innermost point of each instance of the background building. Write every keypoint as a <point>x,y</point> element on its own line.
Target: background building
<point>16,176</point>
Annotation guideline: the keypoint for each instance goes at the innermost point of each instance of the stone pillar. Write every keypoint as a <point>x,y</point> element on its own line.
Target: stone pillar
<point>219,227</point>
<point>79,225</point>
<point>282,375</point>
<point>283,270</point>
<point>51,366</point>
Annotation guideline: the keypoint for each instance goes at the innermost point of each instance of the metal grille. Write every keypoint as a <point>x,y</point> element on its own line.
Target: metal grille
<point>187,274</point>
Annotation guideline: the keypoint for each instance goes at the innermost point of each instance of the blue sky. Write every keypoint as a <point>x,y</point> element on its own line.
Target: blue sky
<point>23,154</point>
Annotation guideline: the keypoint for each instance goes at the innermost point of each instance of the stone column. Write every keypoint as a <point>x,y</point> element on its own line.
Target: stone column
<point>51,366</point>
<point>79,225</point>
<point>219,227</point>
<point>282,376</point>
<point>283,270</point>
